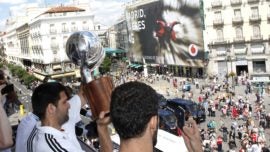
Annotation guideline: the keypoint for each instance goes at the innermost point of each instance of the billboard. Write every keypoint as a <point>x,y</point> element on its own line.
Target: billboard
<point>165,32</point>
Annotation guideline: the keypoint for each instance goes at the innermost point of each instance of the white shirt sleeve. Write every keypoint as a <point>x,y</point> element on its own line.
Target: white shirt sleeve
<point>75,107</point>
<point>74,117</point>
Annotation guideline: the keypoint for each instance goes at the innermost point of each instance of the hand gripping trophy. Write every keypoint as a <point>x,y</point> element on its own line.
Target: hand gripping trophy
<point>85,50</point>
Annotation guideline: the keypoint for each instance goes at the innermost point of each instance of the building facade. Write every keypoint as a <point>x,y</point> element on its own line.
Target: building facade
<point>49,33</point>
<point>121,36</point>
<point>39,43</point>
<point>237,37</point>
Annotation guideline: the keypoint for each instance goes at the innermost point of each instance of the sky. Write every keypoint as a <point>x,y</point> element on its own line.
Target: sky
<point>106,11</point>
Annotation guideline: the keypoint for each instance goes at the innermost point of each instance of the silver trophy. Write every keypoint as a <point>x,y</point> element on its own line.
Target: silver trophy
<point>84,50</point>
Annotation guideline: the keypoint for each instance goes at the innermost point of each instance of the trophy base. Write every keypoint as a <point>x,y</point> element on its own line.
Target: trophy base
<point>98,92</point>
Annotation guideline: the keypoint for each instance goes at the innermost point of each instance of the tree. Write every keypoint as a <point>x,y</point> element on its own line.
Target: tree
<point>105,65</point>
<point>28,79</point>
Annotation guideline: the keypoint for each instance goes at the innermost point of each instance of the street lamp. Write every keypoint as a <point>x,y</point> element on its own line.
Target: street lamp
<point>229,58</point>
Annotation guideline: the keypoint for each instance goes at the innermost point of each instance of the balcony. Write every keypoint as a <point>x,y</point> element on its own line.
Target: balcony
<point>255,18</point>
<point>216,3</point>
<point>237,20</point>
<point>219,41</point>
<point>256,38</point>
<point>257,49</point>
<point>221,53</point>
<point>240,51</point>
<point>236,2</point>
<point>253,1</point>
<point>218,22</point>
<point>239,40</point>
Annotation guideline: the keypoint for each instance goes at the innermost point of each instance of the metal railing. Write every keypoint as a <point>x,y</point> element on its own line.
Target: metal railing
<point>237,19</point>
<point>218,21</point>
<point>255,17</point>
<point>216,3</point>
<point>236,2</point>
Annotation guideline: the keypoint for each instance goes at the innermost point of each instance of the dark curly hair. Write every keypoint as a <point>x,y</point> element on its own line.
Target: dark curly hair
<point>132,106</point>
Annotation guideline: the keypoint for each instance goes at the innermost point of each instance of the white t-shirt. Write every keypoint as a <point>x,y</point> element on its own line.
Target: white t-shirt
<point>49,139</point>
<point>24,130</point>
<point>255,148</point>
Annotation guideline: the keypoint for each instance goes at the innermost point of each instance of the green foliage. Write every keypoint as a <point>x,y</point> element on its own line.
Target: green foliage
<point>1,65</point>
<point>21,74</point>
<point>28,79</point>
<point>106,65</point>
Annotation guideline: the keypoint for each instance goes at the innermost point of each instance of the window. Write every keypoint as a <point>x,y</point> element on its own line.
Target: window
<point>74,27</point>
<point>64,27</point>
<point>218,15</point>
<point>239,32</point>
<point>85,26</point>
<point>52,28</point>
<point>65,41</point>
<point>254,12</point>
<point>220,35</point>
<point>259,66</point>
<point>54,44</point>
<point>237,13</point>
<point>256,31</point>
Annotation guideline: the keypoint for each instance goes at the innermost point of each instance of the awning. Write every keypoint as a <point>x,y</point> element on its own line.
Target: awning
<point>132,65</point>
<point>63,75</point>
<point>137,66</point>
<point>111,50</point>
<point>57,67</point>
<point>77,73</point>
<point>38,76</point>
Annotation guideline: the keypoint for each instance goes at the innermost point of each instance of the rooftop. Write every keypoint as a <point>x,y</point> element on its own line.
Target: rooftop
<point>62,9</point>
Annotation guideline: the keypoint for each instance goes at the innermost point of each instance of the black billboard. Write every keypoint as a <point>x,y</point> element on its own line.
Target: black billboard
<point>165,32</point>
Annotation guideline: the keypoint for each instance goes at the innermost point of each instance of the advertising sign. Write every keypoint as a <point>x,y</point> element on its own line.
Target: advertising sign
<point>165,32</point>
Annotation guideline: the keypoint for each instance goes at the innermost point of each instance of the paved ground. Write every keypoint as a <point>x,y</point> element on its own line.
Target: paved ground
<point>161,85</point>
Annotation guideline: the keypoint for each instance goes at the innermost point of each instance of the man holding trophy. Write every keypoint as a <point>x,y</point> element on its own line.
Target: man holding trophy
<point>59,114</point>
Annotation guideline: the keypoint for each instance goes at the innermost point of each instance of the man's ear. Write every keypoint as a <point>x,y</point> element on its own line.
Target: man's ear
<point>154,123</point>
<point>51,109</point>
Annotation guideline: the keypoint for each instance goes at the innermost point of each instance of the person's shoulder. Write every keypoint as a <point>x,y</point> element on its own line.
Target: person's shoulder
<point>53,140</point>
<point>74,98</point>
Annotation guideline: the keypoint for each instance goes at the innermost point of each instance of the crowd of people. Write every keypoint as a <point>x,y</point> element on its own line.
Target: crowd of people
<point>248,118</point>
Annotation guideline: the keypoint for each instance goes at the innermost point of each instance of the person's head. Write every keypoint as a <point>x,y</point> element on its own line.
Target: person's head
<point>134,109</point>
<point>50,102</point>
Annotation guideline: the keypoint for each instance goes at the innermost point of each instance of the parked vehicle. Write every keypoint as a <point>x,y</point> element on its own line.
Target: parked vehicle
<point>167,120</point>
<point>162,101</point>
<point>190,107</point>
<point>186,87</point>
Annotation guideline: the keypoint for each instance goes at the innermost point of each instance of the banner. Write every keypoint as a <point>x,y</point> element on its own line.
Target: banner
<point>165,32</point>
